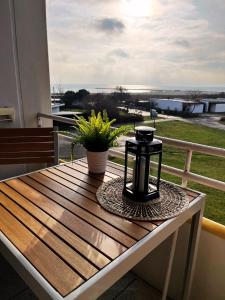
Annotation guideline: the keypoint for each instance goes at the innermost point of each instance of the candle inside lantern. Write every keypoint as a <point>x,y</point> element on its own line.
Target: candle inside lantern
<point>140,176</point>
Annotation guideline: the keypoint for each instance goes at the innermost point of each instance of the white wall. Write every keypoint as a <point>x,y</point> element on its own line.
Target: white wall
<point>174,105</point>
<point>153,267</point>
<point>209,279</point>
<point>197,108</point>
<point>10,93</point>
<point>217,107</point>
<point>24,71</point>
<point>165,104</point>
<point>55,108</point>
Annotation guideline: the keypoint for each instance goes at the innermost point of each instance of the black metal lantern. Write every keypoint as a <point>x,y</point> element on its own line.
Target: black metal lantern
<point>143,186</point>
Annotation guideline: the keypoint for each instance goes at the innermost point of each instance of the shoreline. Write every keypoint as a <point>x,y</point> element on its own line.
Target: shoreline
<point>139,89</point>
<point>152,93</point>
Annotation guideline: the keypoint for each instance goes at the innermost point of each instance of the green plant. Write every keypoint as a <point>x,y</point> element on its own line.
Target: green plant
<point>96,134</point>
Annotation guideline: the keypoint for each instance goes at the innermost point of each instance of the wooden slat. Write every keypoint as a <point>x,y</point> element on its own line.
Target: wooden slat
<point>24,154</point>
<point>65,234</point>
<point>62,172</point>
<point>78,210</point>
<point>189,198</point>
<point>158,222</point>
<point>26,139</point>
<point>85,165</point>
<point>84,177</point>
<point>122,224</point>
<point>92,235</point>
<point>113,165</point>
<point>72,186</point>
<point>26,147</point>
<point>116,166</point>
<point>114,171</point>
<point>84,170</point>
<point>111,168</point>
<point>146,224</point>
<point>191,193</point>
<point>6,132</point>
<point>59,274</point>
<point>75,260</point>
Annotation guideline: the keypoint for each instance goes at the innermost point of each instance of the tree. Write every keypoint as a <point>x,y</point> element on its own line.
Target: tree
<point>152,104</point>
<point>82,94</point>
<point>120,89</point>
<point>221,95</point>
<point>121,97</point>
<point>195,97</point>
<point>68,98</point>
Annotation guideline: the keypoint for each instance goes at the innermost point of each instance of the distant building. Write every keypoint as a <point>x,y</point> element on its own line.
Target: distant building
<point>214,105</point>
<point>56,105</point>
<point>179,105</point>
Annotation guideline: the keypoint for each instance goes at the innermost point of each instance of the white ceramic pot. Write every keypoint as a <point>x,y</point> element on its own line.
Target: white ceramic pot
<point>97,161</point>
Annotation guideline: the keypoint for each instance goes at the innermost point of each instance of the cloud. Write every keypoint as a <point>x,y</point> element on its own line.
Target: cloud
<point>119,53</point>
<point>111,25</point>
<point>182,42</point>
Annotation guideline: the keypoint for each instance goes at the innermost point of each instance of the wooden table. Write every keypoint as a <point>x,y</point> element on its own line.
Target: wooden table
<point>65,246</point>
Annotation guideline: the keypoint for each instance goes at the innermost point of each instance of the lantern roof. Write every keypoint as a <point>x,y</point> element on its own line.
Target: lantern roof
<point>144,133</point>
<point>145,129</point>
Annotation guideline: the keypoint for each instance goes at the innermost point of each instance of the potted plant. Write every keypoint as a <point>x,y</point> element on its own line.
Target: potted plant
<point>97,136</point>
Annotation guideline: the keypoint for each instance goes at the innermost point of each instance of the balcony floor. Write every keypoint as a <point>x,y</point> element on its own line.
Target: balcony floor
<point>12,287</point>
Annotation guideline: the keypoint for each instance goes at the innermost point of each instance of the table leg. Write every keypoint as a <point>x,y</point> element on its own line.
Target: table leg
<point>170,264</point>
<point>191,254</point>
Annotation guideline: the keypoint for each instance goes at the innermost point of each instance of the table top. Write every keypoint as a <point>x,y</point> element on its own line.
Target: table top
<point>53,219</point>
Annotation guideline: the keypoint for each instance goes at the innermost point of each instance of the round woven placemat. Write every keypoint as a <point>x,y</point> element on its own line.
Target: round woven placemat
<point>172,201</point>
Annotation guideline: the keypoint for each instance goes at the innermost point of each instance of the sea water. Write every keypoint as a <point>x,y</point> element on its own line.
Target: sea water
<point>131,88</point>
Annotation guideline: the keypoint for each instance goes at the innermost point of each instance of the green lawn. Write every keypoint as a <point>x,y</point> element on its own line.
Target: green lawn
<point>192,133</point>
<point>206,165</point>
<point>147,122</point>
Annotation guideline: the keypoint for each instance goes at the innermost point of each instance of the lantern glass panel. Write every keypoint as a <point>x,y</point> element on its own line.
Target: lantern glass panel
<point>153,170</point>
<point>132,164</point>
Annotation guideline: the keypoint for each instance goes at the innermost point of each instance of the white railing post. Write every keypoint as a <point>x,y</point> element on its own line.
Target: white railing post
<point>187,167</point>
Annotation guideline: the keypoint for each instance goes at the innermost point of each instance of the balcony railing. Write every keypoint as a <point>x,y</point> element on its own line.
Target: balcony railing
<point>189,147</point>
<point>185,174</point>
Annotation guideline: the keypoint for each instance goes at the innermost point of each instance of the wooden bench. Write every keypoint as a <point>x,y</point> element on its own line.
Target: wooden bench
<point>28,145</point>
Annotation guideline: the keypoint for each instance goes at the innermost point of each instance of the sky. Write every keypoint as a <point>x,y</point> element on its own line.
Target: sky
<point>149,42</point>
